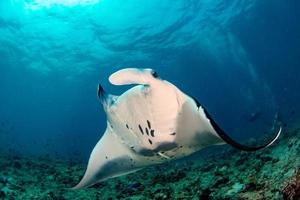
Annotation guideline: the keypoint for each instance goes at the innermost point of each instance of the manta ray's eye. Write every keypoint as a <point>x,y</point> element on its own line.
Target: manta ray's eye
<point>154,74</point>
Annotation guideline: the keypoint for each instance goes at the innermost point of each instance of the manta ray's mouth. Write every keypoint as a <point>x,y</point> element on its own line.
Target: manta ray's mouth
<point>162,147</point>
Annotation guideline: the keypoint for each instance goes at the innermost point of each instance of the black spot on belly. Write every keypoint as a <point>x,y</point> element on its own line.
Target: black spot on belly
<point>147,131</point>
<point>141,129</point>
<point>127,126</point>
<point>150,141</point>
<point>152,133</point>
<point>173,133</point>
<point>149,125</point>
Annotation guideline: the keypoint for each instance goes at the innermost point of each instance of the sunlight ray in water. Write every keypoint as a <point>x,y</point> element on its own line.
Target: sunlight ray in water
<point>39,4</point>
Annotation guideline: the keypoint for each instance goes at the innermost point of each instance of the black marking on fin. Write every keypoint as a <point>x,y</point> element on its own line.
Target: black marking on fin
<point>235,144</point>
<point>150,141</point>
<point>147,132</point>
<point>196,101</point>
<point>149,125</point>
<point>141,129</point>
<point>152,133</point>
<point>101,92</point>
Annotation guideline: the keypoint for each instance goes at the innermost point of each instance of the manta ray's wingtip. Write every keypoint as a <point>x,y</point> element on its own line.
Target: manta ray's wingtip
<point>227,139</point>
<point>76,187</point>
<point>276,137</point>
<point>85,182</point>
<point>80,185</point>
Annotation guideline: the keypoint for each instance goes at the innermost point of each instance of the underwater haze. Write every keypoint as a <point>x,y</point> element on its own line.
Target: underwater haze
<point>239,58</point>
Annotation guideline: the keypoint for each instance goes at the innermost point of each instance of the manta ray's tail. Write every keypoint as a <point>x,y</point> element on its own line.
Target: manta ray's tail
<point>235,144</point>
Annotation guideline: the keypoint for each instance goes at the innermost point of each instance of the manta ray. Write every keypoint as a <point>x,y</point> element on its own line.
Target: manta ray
<point>151,123</point>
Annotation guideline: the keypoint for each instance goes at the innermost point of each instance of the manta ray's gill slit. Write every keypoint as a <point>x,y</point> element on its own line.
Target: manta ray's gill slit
<point>149,124</point>
<point>173,133</point>
<point>147,131</point>
<point>127,126</point>
<point>150,141</point>
<point>132,148</point>
<point>152,133</point>
<point>141,129</point>
<point>132,162</point>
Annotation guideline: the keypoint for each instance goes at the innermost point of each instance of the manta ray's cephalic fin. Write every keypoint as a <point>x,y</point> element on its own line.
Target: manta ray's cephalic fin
<point>133,76</point>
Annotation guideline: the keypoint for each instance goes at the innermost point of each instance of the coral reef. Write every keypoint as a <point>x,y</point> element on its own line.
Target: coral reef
<point>218,173</point>
<point>291,190</point>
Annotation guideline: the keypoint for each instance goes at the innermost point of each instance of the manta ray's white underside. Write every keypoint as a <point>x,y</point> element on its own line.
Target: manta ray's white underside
<point>149,124</point>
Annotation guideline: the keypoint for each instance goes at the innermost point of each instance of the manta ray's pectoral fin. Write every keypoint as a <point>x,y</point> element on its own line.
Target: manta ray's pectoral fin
<point>224,136</point>
<point>109,158</point>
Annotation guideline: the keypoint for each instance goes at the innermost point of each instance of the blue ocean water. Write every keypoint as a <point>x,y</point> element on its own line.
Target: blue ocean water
<point>240,59</point>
